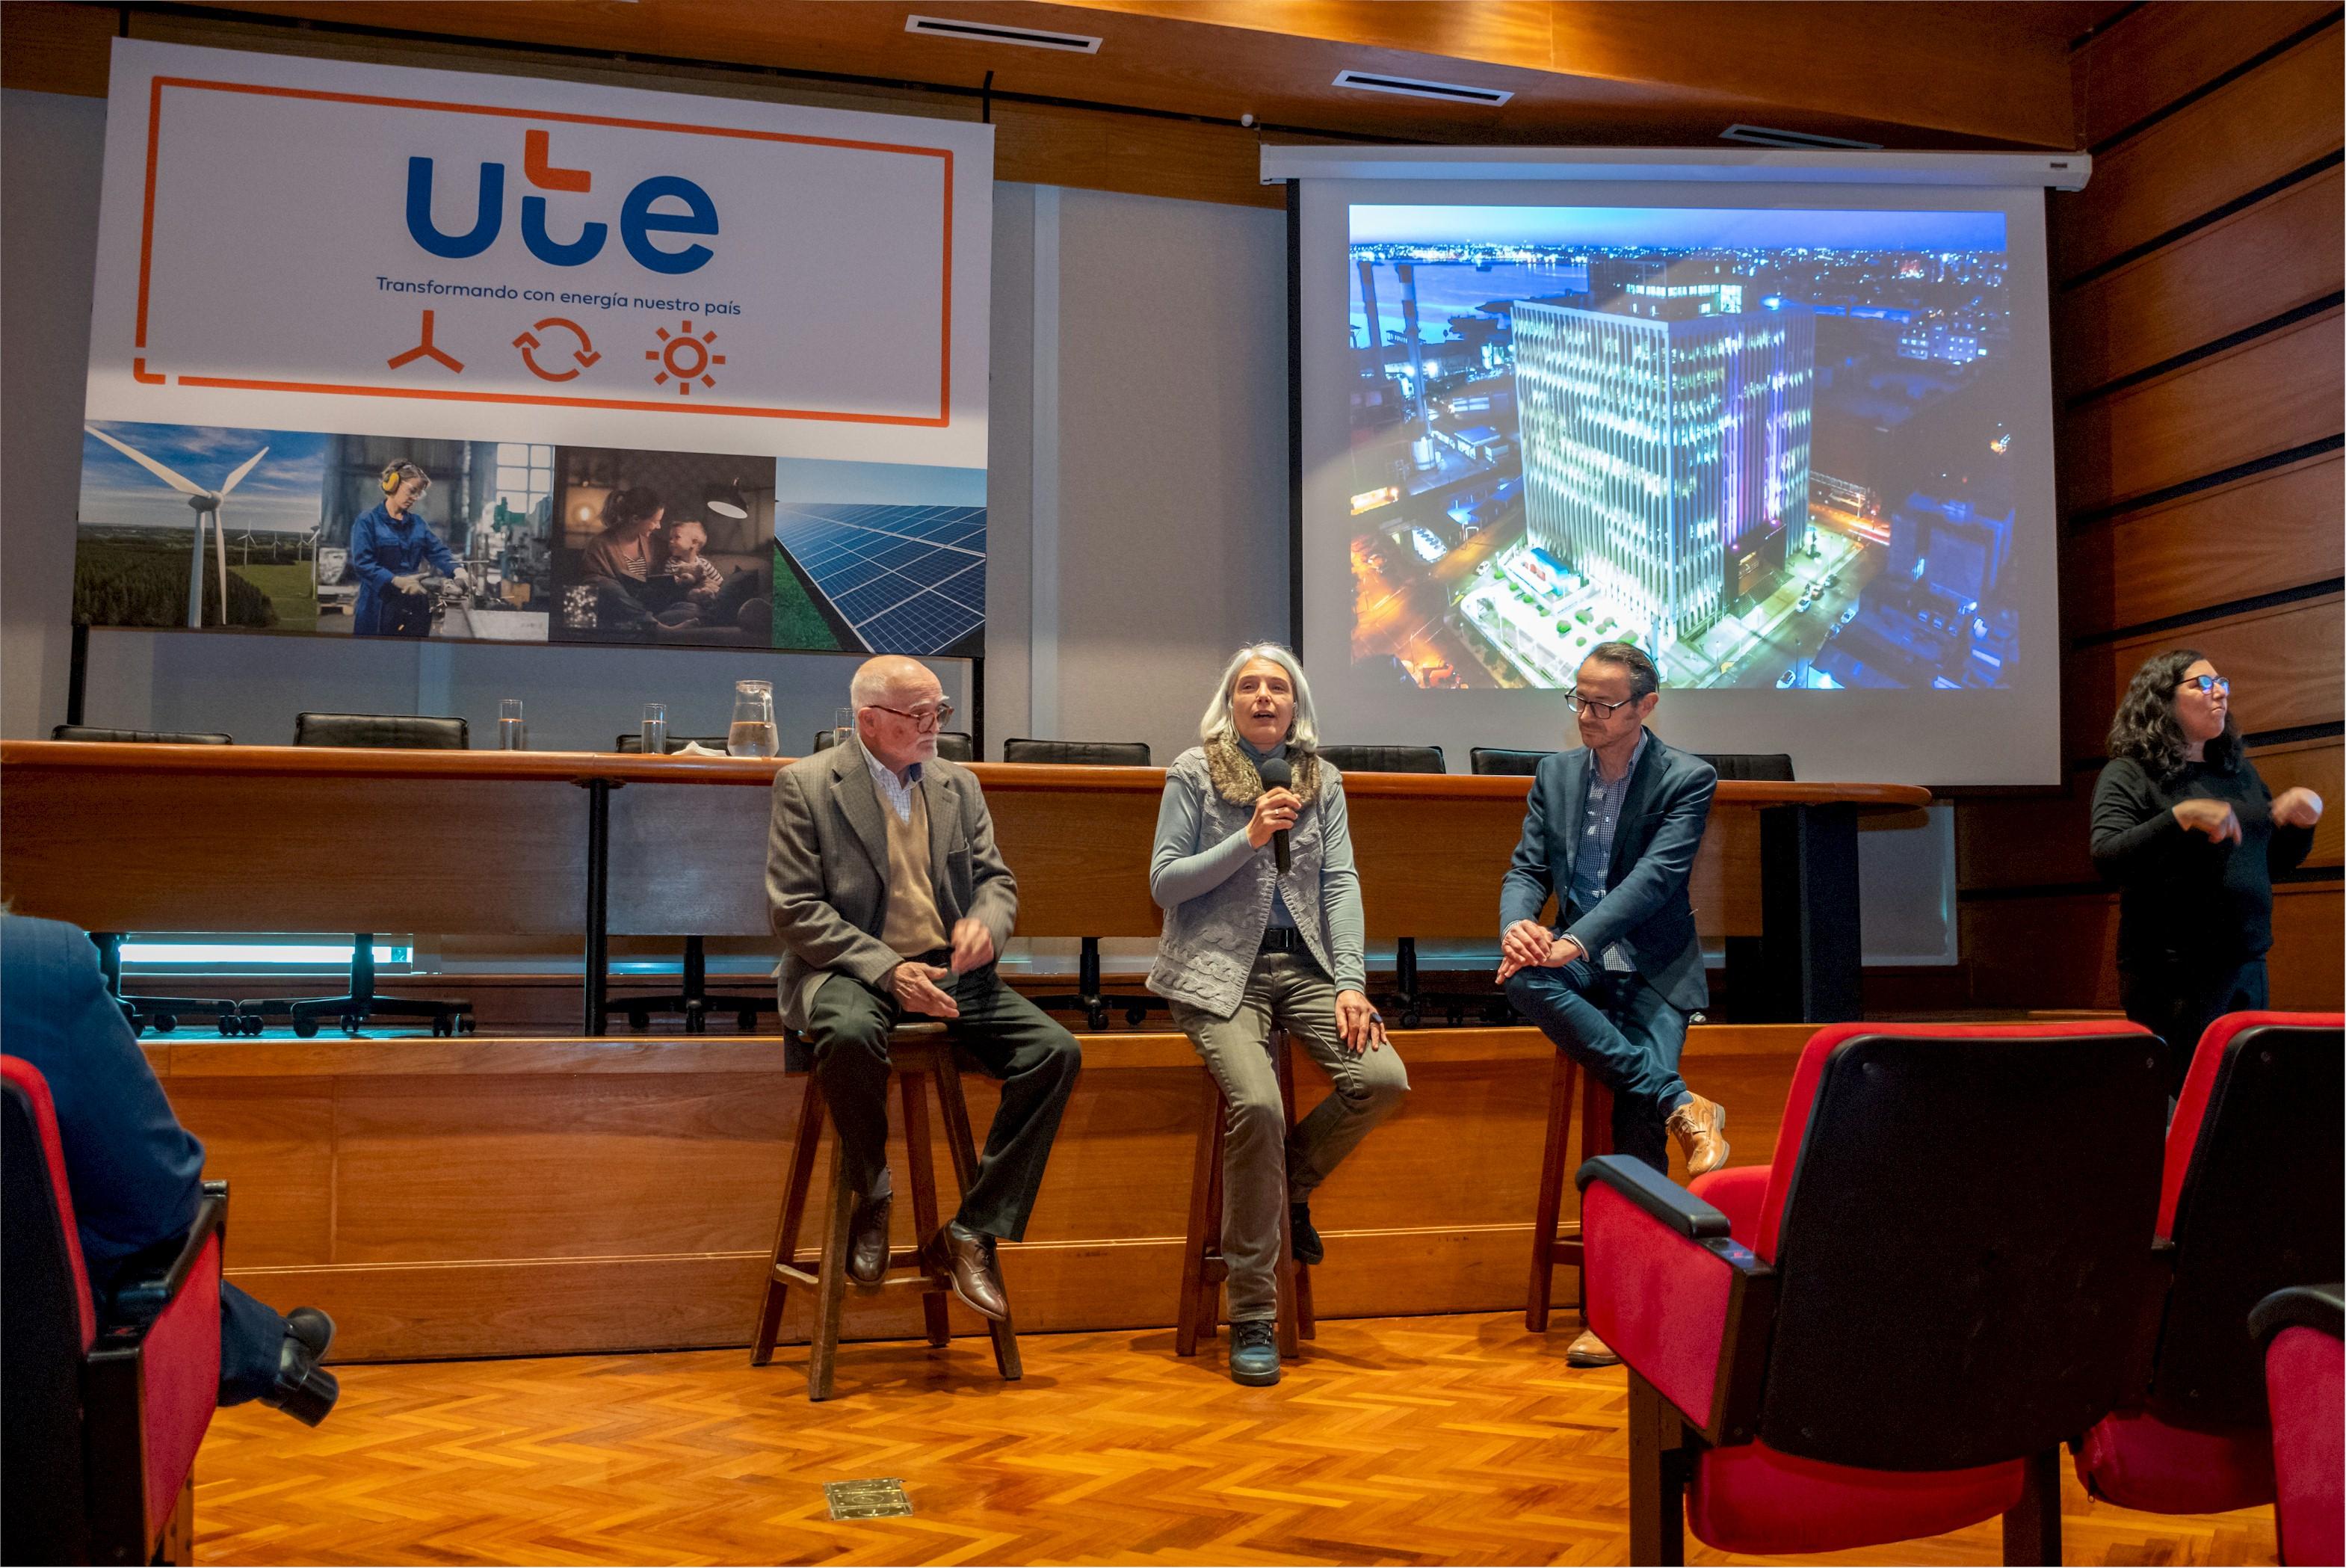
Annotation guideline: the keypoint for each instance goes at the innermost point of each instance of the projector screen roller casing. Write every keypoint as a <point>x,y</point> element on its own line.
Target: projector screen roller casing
<point>1636,503</point>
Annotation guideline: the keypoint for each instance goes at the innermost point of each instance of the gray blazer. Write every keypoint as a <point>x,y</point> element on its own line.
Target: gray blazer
<point>827,868</point>
<point>1644,907</point>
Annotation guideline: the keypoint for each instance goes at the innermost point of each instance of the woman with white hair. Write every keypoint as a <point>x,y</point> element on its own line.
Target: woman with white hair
<point>1261,935</point>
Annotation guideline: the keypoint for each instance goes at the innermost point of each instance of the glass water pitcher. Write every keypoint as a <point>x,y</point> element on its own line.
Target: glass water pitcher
<point>752,732</point>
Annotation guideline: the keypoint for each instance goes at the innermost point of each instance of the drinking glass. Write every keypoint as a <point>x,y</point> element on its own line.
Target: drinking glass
<point>655,729</point>
<point>512,735</point>
<point>842,725</point>
<point>753,730</point>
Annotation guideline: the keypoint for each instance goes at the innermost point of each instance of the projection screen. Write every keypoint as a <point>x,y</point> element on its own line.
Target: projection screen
<point>1782,419</point>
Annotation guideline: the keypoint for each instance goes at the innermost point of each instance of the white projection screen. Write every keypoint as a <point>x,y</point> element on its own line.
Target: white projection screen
<point>1783,420</point>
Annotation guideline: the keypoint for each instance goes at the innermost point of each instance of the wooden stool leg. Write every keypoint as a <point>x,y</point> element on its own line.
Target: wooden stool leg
<point>1198,1306</point>
<point>920,1171</point>
<point>1306,1321</point>
<point>1562,1080</point>
<point>956,1110</point>
<point>786,1235</point>
<point>823,1342</point>
<point>1596,1138</point>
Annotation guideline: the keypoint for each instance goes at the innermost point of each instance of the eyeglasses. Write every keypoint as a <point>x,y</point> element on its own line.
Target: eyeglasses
<point>922,717</point>
<point>2208,685</point>
<point>1577,701</point>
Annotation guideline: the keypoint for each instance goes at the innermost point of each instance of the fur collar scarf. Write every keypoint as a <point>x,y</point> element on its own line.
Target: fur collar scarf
<point>1237,781</point>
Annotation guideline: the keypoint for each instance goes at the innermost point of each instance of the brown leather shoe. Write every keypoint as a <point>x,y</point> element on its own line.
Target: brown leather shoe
<point>966,1262</point>
<point>867,1241</point>
<point>1588,1351</point>
<point>1700,1127</point>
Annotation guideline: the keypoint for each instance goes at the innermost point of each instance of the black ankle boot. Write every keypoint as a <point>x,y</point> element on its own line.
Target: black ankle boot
<point>304,1390</point>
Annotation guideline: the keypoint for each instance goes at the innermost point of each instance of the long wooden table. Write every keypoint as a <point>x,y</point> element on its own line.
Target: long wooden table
<point>487,844</point>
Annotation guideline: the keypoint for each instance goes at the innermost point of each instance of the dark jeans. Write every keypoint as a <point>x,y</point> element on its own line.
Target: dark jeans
<point>2177,1004</point>
<point>252,1332</point>
<point>1623,1033</point>
<point>1009,1036</point>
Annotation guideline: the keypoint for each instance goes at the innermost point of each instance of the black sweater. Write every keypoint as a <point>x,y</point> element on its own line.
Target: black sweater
<point>2182,897</point>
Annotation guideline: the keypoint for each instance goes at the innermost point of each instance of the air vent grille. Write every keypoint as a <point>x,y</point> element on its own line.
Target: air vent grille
<point>1412,87</point>
<point>1769,136</point>
<point>994,33</point>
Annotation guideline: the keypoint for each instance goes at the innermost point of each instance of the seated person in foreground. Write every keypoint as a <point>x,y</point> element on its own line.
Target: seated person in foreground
<point>135,1174</point>
<point>1249,948</point>
<point>891,905</point>
<point>1611,831</point>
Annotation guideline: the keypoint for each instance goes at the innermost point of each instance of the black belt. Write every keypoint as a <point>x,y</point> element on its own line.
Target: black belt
<point>1282,938</point>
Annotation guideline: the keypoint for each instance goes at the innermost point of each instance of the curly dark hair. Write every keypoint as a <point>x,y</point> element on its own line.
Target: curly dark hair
<point>2144,730</point>
<point>628,508</point>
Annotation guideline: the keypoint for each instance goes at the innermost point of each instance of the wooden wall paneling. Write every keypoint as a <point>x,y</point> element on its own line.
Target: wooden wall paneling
<point>2025,840</point>
<point>2156,54</point>
<point>438,1206</point>
<point>50,47</point>
<point>2315,765</point>
<point>2271,395</point>
<point>1189,160</point>
<point>2254,265</point>
<point>2278,118</point>
<point>2282,528</point>
<point>2283,663</point>
<point>2308,937</point>
<point>2056,951</point>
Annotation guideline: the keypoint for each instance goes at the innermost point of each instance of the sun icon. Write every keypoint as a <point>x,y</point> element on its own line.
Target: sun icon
<point>685,357</point>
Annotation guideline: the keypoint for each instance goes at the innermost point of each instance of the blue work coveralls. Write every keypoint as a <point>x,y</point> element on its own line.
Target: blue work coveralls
<point>383,548</point>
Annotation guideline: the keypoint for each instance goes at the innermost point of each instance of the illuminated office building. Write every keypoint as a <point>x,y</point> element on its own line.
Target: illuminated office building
<point>1665,441</point>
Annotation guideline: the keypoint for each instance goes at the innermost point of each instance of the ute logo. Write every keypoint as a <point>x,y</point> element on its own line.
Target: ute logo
<point>639,224</point>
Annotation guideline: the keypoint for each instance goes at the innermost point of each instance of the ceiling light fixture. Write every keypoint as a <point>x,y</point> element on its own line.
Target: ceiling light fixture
<point>1769,136</point>
<point>1414,88</point>
<point>994,33</point>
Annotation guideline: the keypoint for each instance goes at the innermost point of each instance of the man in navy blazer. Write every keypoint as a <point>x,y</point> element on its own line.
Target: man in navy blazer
<point>136,1175</point>
<point>1611,831</point>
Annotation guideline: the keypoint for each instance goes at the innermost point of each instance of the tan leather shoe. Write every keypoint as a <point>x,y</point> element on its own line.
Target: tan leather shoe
<point>1588,1351</point>
<point>1700,1127</point>
<point>967,1263</point>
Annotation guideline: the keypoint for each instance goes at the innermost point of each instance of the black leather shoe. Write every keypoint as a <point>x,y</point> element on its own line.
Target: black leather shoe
<point>965,1261</point>
<point>867,1241</point>
<point>1308,1248</point>
<point>304,1390</point>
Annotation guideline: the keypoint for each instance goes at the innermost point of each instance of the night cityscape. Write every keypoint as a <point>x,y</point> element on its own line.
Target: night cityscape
<point>1769,465</point>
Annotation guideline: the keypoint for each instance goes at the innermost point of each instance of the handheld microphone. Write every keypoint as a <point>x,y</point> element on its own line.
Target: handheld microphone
<point>1277,775</point>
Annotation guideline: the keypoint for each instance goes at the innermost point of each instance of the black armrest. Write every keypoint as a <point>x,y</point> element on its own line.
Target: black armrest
<point>1656,1194</point>
<point>140,1303</point>
<point>2321,1306</point>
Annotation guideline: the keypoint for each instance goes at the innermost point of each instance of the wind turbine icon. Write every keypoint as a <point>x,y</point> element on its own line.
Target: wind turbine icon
<point>205,502</point>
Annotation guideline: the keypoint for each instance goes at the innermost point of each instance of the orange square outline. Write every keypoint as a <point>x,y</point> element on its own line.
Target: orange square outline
<point>942,418</point>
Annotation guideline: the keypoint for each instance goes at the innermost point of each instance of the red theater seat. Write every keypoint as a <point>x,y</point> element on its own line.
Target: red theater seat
<point>1888,1333</point>
<point>2305,1380</point>
<point>2250,1200</point>
<point>106,1402</point>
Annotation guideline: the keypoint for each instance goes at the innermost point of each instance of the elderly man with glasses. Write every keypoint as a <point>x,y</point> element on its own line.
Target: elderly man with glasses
<point>1611,831</point>
<point>892,901</point>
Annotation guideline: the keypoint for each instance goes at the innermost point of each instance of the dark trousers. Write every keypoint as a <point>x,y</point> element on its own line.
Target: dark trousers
<point>1011,1038</point>
<point>2177,1003</point>
<point>1623,1033</point>
<point>252,1332</point>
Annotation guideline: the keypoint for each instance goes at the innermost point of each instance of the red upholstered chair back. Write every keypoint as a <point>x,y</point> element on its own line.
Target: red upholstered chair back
<point>47,1324</point>
<point>2250,1198</point>
<point>1960,1222</point>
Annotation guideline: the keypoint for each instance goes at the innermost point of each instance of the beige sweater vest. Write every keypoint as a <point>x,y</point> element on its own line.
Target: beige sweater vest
<point>914,929</point>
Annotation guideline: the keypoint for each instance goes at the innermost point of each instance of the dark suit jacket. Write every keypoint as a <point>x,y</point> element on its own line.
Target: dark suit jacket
<point>827,868</point>
<point>136,1175</point>
<point>1644,907</point>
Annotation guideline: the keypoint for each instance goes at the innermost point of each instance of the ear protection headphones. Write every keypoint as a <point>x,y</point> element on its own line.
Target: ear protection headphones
<point>396,473</point>
<point>391,479</point>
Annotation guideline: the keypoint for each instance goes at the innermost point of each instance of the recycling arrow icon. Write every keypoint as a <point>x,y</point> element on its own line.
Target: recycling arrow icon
<point>529,343</point>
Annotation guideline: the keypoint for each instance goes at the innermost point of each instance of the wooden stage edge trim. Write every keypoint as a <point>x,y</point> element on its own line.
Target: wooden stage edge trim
<point>478,1057</point>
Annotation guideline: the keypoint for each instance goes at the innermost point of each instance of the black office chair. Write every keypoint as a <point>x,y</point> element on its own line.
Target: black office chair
<point>1087,995</point>
<point>953,745</point>
<point>162,1011</point>
<point>391,731</point>
<point>1386,759</point>
<point>1408,1002</point>
<point>1497,759</point>
<point>694,1000</point>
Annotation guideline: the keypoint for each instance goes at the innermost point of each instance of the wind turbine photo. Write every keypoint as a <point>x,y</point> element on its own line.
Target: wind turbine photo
<point>204,502</point>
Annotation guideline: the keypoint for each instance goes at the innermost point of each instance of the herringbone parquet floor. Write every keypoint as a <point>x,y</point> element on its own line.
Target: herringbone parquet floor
<point>1432,1439</point>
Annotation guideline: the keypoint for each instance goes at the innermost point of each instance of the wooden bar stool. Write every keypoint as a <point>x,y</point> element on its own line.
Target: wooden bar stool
<point>918,1054</point>
<point>1203,1269</point>
<point>1554,1244</point>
